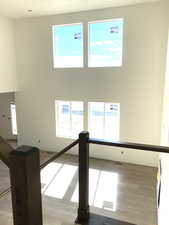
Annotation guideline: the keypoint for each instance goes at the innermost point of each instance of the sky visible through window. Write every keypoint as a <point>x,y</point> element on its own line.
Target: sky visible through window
<point>105,43</point>
<point>68,45</point>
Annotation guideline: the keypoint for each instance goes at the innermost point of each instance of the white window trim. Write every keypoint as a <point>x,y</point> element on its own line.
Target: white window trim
<point>88,45</point>
<point>89,119</point>
<point>53,44</point>
<point>70,115</point>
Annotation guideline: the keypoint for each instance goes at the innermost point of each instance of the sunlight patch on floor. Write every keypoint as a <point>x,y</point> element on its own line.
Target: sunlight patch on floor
<point>48,173</point>
<point>106,195</point>
<point>102,190</point>
<point>56,179</point>
<point>61,181</point>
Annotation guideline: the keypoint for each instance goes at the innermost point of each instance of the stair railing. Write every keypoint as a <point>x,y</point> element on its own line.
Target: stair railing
<point>25,178</point>
<point>84,143</point>
<point>24,166</point>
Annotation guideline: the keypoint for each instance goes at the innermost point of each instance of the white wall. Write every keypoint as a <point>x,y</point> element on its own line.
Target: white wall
<point>163,215</point>
<point>5,115</point>
<point>7,56</point>
<point>137,85</point>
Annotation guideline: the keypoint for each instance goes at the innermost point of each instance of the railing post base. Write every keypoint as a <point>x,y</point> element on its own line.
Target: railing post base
<point>83,215</point>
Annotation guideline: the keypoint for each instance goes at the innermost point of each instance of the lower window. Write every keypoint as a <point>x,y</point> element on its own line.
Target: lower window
<point>69,118</point>
<point>104,120</point>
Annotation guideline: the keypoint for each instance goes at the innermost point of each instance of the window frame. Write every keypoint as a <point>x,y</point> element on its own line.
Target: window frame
<point>53,46</point>
<point>89,119</point>
<point>88,42</point>
<point>71,125</point>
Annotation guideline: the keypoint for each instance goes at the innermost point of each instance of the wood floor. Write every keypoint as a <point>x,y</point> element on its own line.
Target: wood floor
<point>133,196</point>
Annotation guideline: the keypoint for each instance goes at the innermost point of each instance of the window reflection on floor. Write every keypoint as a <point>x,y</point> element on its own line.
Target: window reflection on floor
<point>102,189</point>
<point>58,178</point>
<point>60,182</point>
<point>48,174</point>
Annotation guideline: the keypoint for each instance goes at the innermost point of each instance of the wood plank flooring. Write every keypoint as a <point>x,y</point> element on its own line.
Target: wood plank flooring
<point>135,193</point>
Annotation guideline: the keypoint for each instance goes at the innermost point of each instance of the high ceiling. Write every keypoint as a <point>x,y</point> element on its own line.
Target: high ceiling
<point>19,8</point>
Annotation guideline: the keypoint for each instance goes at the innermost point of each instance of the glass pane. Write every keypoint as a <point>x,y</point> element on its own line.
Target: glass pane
<point>68,45</point>
<point>96,119</point>
<point>13,117</point>
<point>105,43</point>
<point>63,119</point>
<point>112,120</point>
<point>77,118</point>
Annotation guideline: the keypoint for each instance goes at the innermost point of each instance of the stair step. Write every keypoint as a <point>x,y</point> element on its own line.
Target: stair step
<point>102,220</point>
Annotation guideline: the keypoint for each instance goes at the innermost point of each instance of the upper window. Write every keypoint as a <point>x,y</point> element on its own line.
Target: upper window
<point>68,46</point>
<point>105,43</point>
<point>69,118</point>
<point>104,120</point>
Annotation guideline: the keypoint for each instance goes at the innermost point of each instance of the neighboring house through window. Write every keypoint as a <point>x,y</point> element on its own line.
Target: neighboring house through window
<point>104,120</point>
<point>69,118</point>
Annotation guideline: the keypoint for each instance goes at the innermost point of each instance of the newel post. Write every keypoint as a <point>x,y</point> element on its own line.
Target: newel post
<point>83,210</point>
<point>26,187</point>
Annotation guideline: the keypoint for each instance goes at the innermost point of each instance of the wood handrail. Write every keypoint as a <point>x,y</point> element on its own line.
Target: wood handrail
<point>143,147</point>
<point>58,154</point>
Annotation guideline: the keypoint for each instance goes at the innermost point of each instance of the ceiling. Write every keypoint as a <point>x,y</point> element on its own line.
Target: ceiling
<point>19,8</point>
